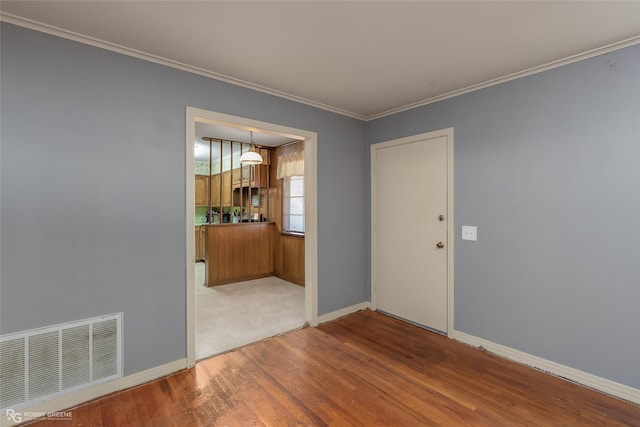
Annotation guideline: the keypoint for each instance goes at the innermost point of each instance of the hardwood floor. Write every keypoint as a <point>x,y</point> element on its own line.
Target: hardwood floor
<point>362,370</point>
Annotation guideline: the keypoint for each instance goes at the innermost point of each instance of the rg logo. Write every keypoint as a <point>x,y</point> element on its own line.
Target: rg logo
<point>14,416</point>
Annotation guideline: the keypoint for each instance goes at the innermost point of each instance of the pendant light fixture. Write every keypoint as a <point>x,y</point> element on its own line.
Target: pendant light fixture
<point>251,157</point>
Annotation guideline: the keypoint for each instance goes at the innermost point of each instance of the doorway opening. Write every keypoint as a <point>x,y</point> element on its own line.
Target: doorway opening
<point>197,120</point>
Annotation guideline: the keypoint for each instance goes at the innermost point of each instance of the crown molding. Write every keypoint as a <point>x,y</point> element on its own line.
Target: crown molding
<point>81,38</point>
<point>60,32</point>
<point>513,76</point>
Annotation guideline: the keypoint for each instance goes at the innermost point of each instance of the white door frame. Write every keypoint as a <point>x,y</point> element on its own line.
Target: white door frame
<point>448,133</point>
<point>194,115</point>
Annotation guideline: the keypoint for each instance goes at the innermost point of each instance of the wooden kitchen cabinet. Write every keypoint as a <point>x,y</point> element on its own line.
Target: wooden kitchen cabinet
<point>235,174</point>
<point>202,190</point>
<point>226,188</point>
<point>251,176</point>
<point>224,180</point>
<point>201,242</point>
<point>215,190</point>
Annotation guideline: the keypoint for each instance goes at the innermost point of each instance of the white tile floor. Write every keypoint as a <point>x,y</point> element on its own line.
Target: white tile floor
<point>233,315</point>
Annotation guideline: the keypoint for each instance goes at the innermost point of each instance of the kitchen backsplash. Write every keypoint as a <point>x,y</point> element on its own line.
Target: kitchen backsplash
<point>201,214</point>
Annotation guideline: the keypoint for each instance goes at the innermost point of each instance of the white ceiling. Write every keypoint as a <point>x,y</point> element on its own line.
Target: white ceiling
<point>364,59</point>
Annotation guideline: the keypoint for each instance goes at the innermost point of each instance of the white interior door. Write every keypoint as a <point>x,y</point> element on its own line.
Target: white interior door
<point>410,227</point>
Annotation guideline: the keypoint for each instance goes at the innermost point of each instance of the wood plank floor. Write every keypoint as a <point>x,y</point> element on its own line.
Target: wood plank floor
<point>365,369</point>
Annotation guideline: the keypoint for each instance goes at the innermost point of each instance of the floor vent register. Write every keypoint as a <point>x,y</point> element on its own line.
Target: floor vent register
<point>46,363</point>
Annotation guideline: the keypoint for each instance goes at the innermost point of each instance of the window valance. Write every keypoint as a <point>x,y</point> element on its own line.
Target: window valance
<point>291,160</point>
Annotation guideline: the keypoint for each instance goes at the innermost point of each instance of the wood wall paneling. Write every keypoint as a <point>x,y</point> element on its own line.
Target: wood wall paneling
<point>288,250</point>
<point>291,259</point>
<point>237,252</point>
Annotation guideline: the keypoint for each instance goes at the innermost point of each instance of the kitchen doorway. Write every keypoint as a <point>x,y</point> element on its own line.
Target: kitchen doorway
<point>195,116</point>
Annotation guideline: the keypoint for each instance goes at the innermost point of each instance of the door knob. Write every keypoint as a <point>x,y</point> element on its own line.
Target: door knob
<point>440,245</point>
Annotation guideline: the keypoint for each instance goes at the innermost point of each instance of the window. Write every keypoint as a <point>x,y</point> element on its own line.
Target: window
<point>290,169</point>
<point>293,204</point>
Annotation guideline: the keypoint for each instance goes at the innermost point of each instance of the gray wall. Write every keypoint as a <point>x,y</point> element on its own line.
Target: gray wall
<point>548,168</point>
<point>92,199</point>
<point>93,189</point>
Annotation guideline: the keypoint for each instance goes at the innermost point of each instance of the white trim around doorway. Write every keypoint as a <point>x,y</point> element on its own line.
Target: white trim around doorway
<point>310,139</point>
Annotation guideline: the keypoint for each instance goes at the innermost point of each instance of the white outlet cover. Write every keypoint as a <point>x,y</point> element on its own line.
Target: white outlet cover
<point>469,232</point>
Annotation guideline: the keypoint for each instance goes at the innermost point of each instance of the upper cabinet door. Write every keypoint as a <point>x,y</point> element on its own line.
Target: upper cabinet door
<point>202,190</point>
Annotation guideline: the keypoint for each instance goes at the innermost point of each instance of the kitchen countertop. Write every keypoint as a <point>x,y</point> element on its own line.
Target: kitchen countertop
<point>198,224</point>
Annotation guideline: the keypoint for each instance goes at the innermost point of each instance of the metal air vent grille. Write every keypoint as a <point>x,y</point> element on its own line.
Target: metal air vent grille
<point>42,364</point>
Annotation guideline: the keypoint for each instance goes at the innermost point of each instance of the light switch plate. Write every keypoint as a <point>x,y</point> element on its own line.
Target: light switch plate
<point>469,232</point>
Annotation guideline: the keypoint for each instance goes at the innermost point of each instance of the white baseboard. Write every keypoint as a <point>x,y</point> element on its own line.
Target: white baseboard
<point>343,312</point>
<point>597,383</point>
<point>62,403</point>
